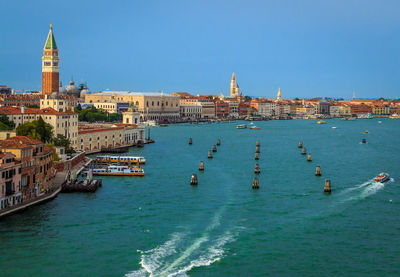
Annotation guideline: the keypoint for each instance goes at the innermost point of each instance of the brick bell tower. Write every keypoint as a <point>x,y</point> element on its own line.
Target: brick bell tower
<point>50,69</point>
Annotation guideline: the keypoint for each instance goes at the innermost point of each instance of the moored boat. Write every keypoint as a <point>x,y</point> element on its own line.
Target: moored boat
<point>120,159</point>
<point>119,171</point>
<point>366,116</point>
<point>382,177</point>
<point>241,126</point>
<point>255,128</point>
<point>321,122</point>
<point>163,125</point>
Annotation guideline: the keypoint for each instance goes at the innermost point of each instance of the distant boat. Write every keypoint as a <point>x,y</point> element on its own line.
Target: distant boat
<point>395,116</point>
<point>379,122</point>
<point>255,128</point>
<point>321,122</point>
<point>242,126</point>
<point>163,125</point>
<point>334,127</point>
<point>382,177</point>
<point>366,116</point>
<point>365,132</point>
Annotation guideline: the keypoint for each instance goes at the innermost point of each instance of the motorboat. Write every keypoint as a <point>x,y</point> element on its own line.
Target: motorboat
<point>321,122</point>
<point>334,127</point>
<point>366,116</point>
<point>382,177</point>
<point>241,126</point>
<point>255,128</point>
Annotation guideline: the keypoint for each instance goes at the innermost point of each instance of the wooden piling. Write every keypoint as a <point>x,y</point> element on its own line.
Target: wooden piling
<point>257,149</point>
<point>193,180</point>
<point>303,151</point>
<point>214,149</point>
<point>201,166</point>
<point>309,159</point>
<point>257,169</point>
<point>210,154</point>
<point>258,143</point>
<point>257,156</point>
<point>300,144</point>
<point>190,141</point>
<point>327,187</point>
<point>256,184</point>
<point>318,171</point>
<point>218,142</point>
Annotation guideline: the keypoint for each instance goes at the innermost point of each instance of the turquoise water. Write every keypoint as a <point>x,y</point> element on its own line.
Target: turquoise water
<point>160,225</point>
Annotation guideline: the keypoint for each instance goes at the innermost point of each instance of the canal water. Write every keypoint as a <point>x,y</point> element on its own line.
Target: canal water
<point>159,225</point>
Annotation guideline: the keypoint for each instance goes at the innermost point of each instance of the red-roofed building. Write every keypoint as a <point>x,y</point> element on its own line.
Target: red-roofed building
<point>64,122</point>
<point>10,180</point>
<point>36,162</point>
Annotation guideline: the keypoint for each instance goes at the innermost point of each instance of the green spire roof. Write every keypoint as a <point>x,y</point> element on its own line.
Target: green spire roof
<point>50,42</point>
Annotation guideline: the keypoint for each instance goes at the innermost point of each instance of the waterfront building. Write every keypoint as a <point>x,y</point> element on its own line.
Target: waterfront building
<point>244,109</point>
<point>117,107</point>
<point>304,111</point>
<point>334,111</point>
<point>264,107</point>
<point>50,65</point>
<point>207,109</point>
<point>322,107</point>
<point>94,137</point>
<point>221,109</point>
<point>151,105</point>
<point>344,110</point>
<point>233,106</point>
<point>234,91</point>
<point>360,109</point>
<point>36,159</point>
<point>10,180</point>
<point>191,110</point>
<point>64,123</point>
<point>381,110</point>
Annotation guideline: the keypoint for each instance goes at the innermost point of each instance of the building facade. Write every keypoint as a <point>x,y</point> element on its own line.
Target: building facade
<point>150,105</point>
<point>10,180</point>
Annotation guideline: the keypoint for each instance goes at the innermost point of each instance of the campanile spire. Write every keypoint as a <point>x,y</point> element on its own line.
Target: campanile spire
<point>50,65</point>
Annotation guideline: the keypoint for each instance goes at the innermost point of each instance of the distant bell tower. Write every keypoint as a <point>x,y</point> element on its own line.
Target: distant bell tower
<point>279,96</point>
<point>50,67</point>
<point>354,95</point>
<point>233,86</point>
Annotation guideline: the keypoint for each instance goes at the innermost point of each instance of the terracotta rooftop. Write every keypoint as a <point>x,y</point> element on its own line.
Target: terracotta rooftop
<point>17,110</point>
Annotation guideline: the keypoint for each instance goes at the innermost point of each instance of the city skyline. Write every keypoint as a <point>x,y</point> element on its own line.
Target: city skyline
<point>357,50</point>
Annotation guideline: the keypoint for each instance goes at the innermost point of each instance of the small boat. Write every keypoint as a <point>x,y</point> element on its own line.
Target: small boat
<point>334,127</point>
<point>119,171</point>
<point>366,116</point>
<point>242,126</point>
<point>365,132</point>
<point>120,159</point>
<point>395,116</point>
<point>255,128</point>
<point>382,177</point>
<point>163,125</point>
<point>321,122</point>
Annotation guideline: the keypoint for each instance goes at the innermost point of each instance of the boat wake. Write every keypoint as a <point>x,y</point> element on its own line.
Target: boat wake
<point>184,251</point>
<point>364,190</point>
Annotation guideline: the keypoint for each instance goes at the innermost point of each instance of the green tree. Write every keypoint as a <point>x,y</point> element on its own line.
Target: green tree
<point>247,98</point>
<point>297,99</point>
<point>6,124</point>
<point>62,141</point>
<point>37,129</point>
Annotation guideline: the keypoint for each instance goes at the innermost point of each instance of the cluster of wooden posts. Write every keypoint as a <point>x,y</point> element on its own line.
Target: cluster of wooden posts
<point>193,179</point>
<point>327,184</point>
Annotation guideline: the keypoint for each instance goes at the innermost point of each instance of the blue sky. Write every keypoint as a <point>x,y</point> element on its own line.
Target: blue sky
<point>307,48</point>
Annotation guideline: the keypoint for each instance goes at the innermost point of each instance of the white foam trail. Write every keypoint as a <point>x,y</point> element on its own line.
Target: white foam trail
<point>151,260</point>
<point>214,253</point>
<point>357,187</point>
